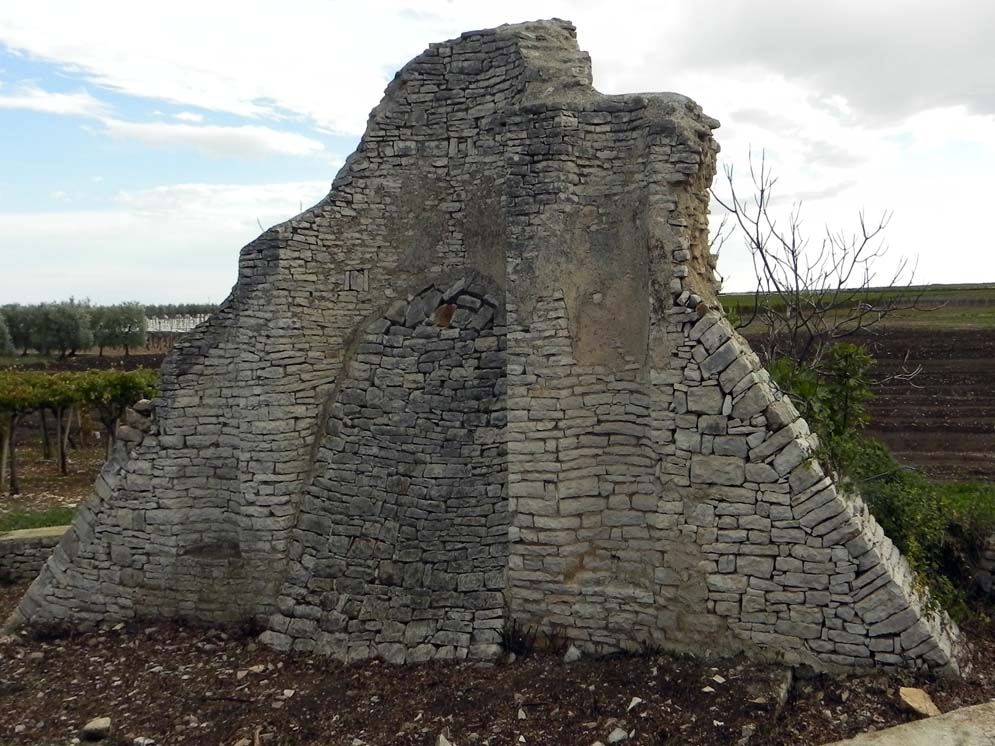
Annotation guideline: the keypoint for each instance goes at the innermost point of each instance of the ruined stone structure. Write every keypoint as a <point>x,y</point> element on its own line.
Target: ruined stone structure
<point>485,380</point>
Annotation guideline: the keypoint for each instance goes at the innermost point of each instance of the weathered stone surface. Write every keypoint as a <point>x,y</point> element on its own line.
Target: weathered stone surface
<point>487,380</point>
<point>97,729</point>
<point>727,470</point>
<point>919,701</point>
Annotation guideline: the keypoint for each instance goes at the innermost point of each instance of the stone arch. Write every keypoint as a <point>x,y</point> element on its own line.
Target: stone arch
<point>401,542</point>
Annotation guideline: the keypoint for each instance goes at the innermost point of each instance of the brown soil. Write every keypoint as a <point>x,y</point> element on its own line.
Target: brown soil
<point>184,685</point>
<point>41,484</point>
<point>90,361</point>
<point>944,420</point>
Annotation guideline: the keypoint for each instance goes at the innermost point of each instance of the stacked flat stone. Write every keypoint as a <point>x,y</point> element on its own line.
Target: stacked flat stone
<point>24,553</point>
<point>404,531</point>
<point>486,380</point>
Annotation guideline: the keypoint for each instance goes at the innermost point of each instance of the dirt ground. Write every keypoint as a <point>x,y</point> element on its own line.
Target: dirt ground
<point>183,685</point>
<point>42,486</point>
<point>943,421</point>
<point>89,361</point>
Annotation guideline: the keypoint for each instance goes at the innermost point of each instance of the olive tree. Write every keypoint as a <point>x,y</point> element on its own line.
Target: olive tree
<point>123,325</point>
<point>63,328</point>
<point>21,323</point>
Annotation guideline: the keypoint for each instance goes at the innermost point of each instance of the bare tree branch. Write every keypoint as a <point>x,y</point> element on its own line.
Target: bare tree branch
<point>809,296</point>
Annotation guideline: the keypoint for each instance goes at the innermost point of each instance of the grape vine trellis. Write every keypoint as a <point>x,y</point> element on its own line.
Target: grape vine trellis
<point>105,393</point>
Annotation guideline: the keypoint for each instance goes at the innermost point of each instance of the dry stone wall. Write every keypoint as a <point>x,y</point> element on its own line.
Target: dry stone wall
<point>23,553</point>
<point>487,381</point>
<point>402,537</point>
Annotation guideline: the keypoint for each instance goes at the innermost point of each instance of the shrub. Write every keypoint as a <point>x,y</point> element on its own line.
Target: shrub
<point>910,509</point>
<point>110,392</point>
<point>832,398</point>
<point>21,322</point>
<point>939,528</point>
<point>107,392</point>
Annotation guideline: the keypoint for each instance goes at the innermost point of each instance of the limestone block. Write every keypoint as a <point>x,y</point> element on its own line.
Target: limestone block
<point>726,470</point>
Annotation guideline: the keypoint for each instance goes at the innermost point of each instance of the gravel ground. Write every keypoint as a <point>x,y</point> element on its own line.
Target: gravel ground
<point>184,685</point>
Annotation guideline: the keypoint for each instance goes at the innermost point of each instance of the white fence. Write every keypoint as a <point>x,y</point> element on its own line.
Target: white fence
<point>175,324</point>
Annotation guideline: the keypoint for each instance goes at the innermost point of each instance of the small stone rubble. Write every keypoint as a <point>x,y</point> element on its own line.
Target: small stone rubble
<point>487,381</point>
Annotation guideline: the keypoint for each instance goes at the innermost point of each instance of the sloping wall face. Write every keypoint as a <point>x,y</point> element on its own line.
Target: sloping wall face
<point>194,518</point>
<point>401,542</point>
<point>487,381</point>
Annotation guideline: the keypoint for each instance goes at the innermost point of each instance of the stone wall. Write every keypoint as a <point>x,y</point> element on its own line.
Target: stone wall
<point>487,380</point>
<point>402,536</point>
<point>23,553</point>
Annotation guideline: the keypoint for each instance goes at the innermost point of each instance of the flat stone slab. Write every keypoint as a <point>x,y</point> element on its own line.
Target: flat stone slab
<point>968,726</point>
<point>34,533</point>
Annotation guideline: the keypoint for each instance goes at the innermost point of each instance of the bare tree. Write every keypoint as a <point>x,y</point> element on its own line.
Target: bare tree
<point>809,295</point>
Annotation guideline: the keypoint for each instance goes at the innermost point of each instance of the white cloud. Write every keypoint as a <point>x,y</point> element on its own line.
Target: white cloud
<point>246,141</point>
<point>888,59</point>
<point>241,206</point>
<point>167,244</point>
<point>858,105</point>
<point>32,98</point>
<point>250,141</point>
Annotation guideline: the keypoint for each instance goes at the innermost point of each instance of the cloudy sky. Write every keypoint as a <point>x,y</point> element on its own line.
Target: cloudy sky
<point>143,144</point>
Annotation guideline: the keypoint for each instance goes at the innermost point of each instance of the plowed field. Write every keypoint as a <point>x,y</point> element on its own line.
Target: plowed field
<point>943,421</point>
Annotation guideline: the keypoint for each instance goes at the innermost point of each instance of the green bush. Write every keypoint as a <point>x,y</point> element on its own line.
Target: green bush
<point>106,392</point>
<point>939,528</point>
<point>832,398</point>
<point>911,510</point>
<point>21,322</point>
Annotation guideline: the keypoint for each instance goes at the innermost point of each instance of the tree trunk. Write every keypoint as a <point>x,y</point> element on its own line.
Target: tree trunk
<point>109,430</point>
<point>66,427</point>
<point>60,420</point>
<point>46,442</point>
<point>79,426</point>
<point>4,456</point>
<point>15,487</point>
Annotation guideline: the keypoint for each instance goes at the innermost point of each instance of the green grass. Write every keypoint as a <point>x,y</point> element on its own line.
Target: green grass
<point>972,293</point>
<point>972,502</point>
<point>21,361</point>
<point>939,306</point>
<point>60,516</point>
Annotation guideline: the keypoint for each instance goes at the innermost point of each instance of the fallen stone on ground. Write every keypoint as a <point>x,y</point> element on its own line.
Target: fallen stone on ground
<point>97,729</point>
<point>968,726</point>
<point>919,701</point>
